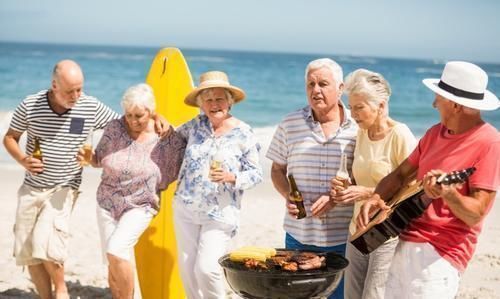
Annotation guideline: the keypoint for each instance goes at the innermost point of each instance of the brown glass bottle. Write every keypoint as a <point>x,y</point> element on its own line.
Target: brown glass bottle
<point>296,197</point>
<point>37,150</point>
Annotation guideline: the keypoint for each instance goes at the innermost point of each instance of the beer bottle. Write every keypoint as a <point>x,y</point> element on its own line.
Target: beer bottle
<point>217,160</point>
<point>296,197</point>
<point>87,149</point>
<point>342,173</point>
<point>37,150</point>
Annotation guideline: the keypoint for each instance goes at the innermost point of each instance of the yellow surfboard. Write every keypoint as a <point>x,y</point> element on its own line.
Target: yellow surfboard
<point>155,253</point>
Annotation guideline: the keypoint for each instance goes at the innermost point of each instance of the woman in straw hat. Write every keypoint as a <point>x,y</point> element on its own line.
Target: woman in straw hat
<point>221,161</point>
<point>434,250</point>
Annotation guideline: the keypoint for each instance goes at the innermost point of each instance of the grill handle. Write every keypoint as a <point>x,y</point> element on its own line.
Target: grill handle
<point>307,281</point>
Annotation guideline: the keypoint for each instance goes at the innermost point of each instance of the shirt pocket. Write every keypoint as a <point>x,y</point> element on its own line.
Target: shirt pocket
<point>76,125</point>
<point>57,248</point>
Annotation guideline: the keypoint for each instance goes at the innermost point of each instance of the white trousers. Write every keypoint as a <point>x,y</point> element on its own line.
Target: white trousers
<point>366,275</point>
<point>119,237</point>
<point>418,271</point>
<point>201,241</point>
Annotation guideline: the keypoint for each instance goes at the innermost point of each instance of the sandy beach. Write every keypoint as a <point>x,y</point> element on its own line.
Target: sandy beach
<point>86,274</point>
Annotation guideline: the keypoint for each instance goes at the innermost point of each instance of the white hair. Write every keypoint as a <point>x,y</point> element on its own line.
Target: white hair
<point>140,95</point>
<point>373,86</point>
<point>229,95</point>
<point>328,63</point>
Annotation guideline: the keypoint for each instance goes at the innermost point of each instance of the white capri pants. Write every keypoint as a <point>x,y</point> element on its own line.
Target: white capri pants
<point>119,237</point>
<point>366,276</point>
<point>418,271</point>
<point>201,241</point>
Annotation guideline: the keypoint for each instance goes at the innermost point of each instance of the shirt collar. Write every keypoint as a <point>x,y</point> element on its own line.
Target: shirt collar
<point>346,121</point>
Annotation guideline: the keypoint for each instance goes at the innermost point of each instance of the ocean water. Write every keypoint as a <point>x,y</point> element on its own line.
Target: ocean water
<point>274,82</point>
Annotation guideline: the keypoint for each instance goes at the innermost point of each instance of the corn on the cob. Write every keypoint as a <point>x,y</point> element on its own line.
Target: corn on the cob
<point>268,251</point>
<point>242,255</point>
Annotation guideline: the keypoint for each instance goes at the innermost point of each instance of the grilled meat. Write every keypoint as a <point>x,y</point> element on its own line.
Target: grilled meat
<point>254,264</point>
<point>288,261</point>
<point>289,266</point>
<point>312,263</point>
<point>309,260</point>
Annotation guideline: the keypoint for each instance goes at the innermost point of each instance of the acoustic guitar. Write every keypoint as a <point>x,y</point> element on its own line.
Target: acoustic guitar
<point>409,203</point>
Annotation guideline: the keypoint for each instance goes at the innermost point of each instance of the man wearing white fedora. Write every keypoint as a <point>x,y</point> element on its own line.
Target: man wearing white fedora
<point>435,248</point>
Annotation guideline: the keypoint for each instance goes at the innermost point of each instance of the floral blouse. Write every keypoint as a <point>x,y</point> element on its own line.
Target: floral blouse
<point>240,150</point>
<point>134,172</point>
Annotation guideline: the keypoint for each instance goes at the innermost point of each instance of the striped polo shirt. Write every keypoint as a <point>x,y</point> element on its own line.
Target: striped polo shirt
<point>299,143</point>
<point>61,135</point>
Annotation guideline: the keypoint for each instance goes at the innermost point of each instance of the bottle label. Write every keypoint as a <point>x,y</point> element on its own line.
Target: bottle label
<point>296,198</point>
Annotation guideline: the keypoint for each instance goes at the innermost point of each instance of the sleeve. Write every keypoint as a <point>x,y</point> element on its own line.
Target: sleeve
<point>173,155</point>
<point>487,174</point>
<point>107,141</point>
<point>405,143</point>
<point>184,129</point>
<point>278,151</point>
<point>104,115</point>
<point>19,121</point>
<point>250,173</point>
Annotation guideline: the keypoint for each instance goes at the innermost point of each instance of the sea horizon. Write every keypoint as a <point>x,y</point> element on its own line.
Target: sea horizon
<point>274,82</point>
<point>437,60</point>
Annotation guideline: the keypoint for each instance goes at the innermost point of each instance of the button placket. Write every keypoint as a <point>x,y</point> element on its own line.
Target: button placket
<point>323,174</point>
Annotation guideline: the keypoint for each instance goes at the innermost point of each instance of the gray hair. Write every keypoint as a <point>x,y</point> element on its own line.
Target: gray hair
<point>140,95</point>
<point>229,95</point>
<point>328,63</point>
<point>370,84</point>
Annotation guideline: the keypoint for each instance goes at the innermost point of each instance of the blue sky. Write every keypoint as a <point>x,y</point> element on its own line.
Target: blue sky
<point>439,29</point>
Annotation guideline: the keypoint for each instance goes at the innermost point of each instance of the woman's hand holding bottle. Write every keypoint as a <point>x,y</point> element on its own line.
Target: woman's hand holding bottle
<point>217,173</point>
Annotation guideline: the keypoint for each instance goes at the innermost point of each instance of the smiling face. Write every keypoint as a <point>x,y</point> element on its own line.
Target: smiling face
<point>323,92</point>
<point>364,113</point>
<point>215,104</point>
<point>137,118</point>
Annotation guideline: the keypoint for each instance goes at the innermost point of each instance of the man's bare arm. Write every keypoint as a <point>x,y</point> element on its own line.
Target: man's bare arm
<point>278,176</point>
<point>11,143</point>
<point>395,180</point>
<point>385,190</point>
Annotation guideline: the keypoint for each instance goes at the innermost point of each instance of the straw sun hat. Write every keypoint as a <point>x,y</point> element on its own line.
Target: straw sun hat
<point>464,83</point>
<point>210,80</point>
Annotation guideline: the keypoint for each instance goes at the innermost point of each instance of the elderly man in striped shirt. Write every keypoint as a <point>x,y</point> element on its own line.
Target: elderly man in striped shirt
<point>308,143</point>
<point>60,118</point>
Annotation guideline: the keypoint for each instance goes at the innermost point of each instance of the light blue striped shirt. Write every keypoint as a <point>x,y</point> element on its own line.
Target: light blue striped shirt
<point>313,159</point>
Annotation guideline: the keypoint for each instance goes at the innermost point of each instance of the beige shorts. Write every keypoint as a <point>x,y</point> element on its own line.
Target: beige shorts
<point>42,224</point>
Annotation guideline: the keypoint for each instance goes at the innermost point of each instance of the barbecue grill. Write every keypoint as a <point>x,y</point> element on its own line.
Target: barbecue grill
<point>277,283</point>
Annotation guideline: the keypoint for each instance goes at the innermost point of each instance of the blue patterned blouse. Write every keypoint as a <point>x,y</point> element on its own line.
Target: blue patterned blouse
<point>221,202</point>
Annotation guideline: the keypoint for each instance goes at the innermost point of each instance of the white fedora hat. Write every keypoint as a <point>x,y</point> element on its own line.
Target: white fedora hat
<point>464,83</point>
<point>214,79</point>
